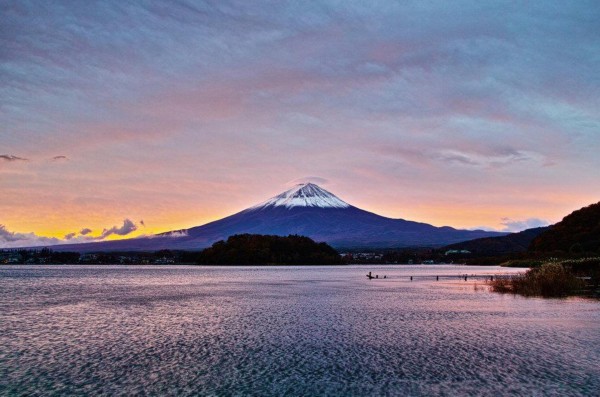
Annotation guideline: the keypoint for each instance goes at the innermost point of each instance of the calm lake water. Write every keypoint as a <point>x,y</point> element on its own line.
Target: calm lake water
<point>123,330</point>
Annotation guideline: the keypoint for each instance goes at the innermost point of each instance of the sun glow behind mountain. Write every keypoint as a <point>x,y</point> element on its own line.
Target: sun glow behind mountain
<point>306,210</point>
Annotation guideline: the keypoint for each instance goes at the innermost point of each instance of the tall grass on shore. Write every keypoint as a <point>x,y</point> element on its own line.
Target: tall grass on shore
<point>548,280</point>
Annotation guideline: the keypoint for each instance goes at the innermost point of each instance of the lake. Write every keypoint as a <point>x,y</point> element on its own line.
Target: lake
<point>272,331</point>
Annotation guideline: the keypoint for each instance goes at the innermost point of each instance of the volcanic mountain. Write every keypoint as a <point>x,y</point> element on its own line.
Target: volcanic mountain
<point>308,210</point>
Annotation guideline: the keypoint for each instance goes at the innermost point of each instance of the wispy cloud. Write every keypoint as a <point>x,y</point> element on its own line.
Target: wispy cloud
<point>69,236</point>
<point>494,158</point>
<point>309,179</point>
<point>9,239</point>
<point>10,157</point>
<point>176,234</point>
<point>511,225</point>
<point>58,158</point>
<point>128,227</point>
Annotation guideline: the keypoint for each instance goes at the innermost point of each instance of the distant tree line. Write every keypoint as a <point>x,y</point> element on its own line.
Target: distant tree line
<point>245,249</point>
<point>37,256</point>
<point>48,256</point>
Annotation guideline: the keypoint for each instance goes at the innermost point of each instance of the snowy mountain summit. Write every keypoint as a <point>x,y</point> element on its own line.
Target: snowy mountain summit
<point>304,195</point>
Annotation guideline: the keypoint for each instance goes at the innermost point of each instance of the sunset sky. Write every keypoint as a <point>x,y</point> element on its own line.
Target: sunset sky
<point>119,119</point>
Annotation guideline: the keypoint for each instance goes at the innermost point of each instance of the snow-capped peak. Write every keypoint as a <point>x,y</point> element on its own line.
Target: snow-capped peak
<point>304,195</point>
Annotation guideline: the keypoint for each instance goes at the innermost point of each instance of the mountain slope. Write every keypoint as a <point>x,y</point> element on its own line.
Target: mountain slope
<point>306,210</point>
<point>578,231</point>
<point>509,244</point>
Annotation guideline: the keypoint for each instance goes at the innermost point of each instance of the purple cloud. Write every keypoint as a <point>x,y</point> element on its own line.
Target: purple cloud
<point>10,239</point>
<point>128,227</point>
<point>69,236</point>
<point>490,157</point>
<point>10,157</point>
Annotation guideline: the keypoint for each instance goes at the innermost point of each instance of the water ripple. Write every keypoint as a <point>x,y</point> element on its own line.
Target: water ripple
<point>285,331</point>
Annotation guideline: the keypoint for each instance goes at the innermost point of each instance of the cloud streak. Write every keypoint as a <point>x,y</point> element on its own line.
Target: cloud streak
<point>308,179</point>
<point>128,227</point>
<point>10,157</point>
<point>9,239</point>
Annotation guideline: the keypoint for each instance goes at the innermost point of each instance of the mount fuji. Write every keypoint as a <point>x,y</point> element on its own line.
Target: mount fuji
<point>308,210</point>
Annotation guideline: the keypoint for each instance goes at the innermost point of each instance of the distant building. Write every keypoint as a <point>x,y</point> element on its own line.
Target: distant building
<point>164,261</point>
<point>88,258</point>
<point>454,252</point>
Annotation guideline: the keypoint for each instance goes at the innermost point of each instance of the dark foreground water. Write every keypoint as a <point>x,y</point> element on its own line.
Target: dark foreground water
<point>69,330</point>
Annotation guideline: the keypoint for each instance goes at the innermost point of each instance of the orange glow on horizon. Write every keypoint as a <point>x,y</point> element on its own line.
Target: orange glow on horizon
<point>460,216</point>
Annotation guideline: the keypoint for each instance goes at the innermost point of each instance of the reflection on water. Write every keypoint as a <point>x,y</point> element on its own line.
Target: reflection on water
<point>287,331</point>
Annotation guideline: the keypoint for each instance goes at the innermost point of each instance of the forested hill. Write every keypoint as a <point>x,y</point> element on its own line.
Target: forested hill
<point>256,249</point>
<point>512,243</point>
<point>577,232</point>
